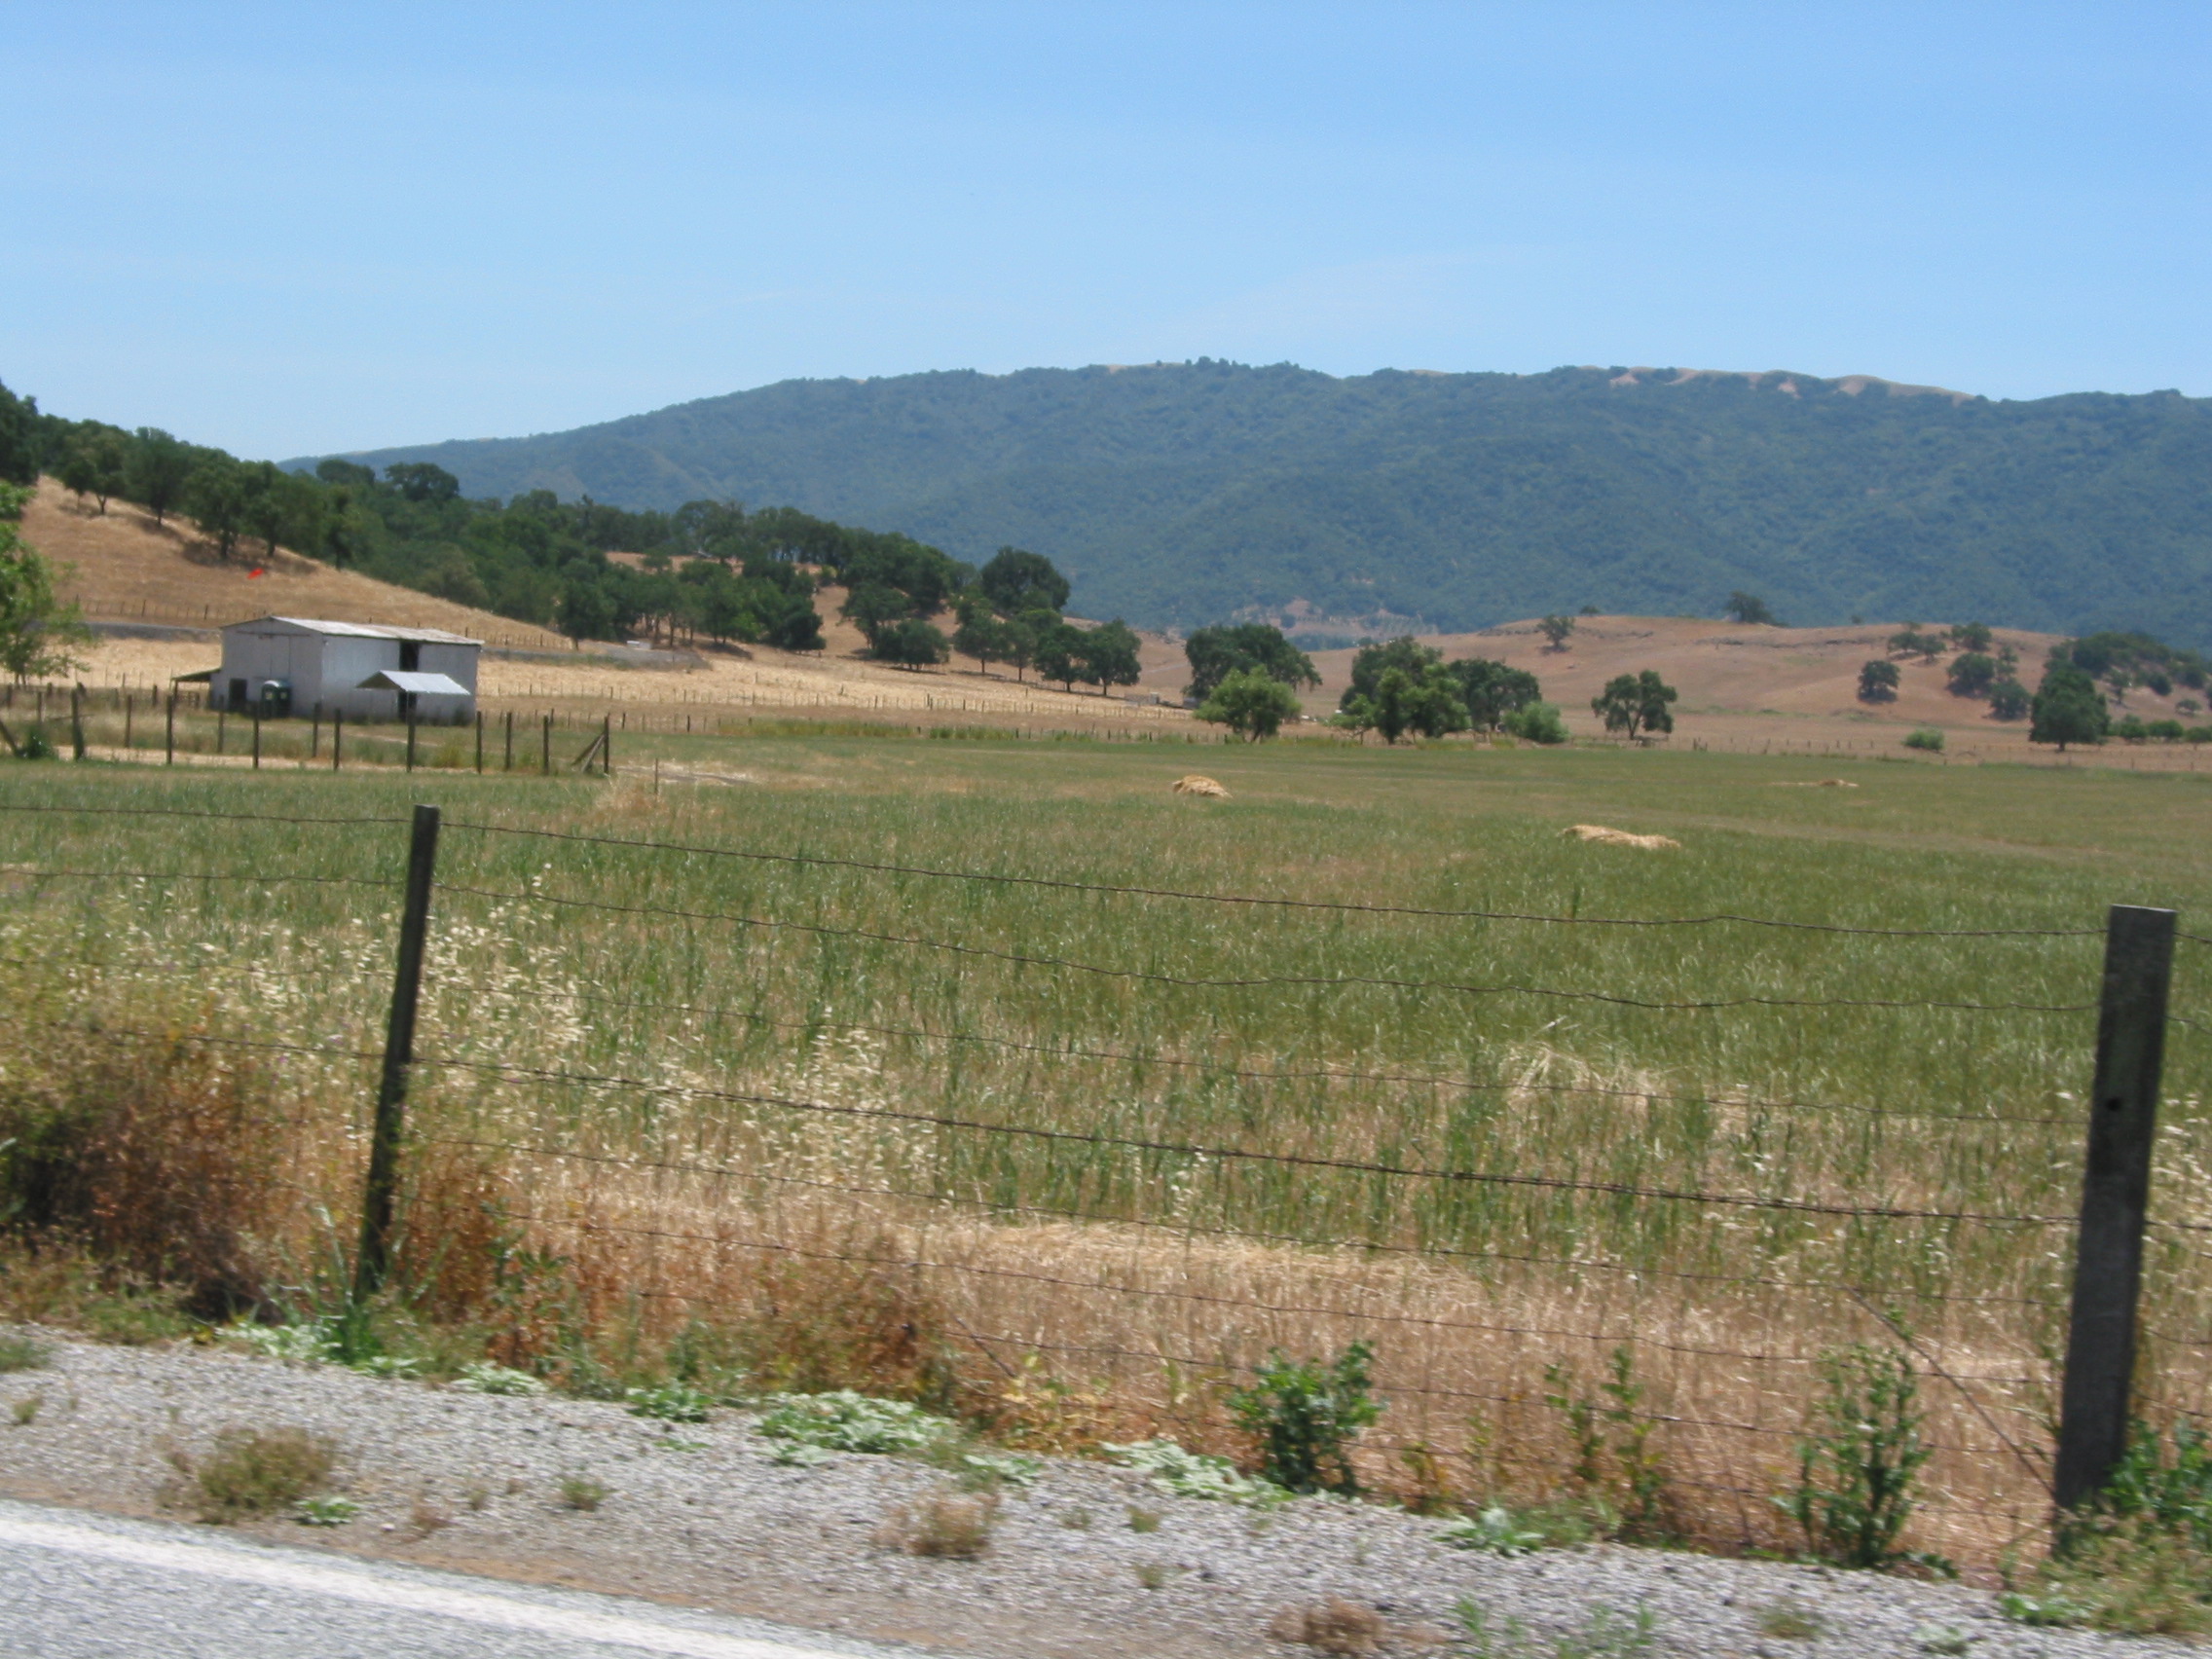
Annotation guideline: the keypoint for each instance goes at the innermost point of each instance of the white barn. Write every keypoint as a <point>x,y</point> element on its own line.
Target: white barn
<point>294,665</point>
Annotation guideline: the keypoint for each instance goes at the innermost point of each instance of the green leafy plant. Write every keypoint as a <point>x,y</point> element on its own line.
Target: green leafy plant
<point>24,1412</point>
<point>486,1377</point>
<point>1609,1633</point>
<point>2128,1575</point>
<point>1614,1463</point>
<point>670,1402</point>
<point>1306,1414</point>
<point>1927,738</point>
<point>1859,1461</point>
<point>1195,1474</point>
<point>1942,1639</point>
<point>2139,1561</point>
<point>326,1510</point>
<point>1497,1529</point>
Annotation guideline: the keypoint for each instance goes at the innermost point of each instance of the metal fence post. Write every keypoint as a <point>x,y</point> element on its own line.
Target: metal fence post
<point>2116,1193</point>
<point>605,746</point>
<point>381,1190</point>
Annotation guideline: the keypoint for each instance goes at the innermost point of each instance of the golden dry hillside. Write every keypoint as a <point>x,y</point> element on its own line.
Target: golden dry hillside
<point>125,568</point>
<point>121,567</point>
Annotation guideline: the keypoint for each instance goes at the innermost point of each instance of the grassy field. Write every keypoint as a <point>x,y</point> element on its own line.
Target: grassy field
<point>1117,1276</point>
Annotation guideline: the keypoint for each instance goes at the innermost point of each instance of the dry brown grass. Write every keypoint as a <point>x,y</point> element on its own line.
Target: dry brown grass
<point>123,567</point>
<point>948,1523</point>
<point>1333,1626</point>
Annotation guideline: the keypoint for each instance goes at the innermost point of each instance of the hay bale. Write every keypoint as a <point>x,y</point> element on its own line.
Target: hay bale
<point>1197,783</point>
<point>1618,837</point>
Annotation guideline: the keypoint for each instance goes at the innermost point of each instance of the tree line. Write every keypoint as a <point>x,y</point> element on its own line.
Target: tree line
<point>708,570</point>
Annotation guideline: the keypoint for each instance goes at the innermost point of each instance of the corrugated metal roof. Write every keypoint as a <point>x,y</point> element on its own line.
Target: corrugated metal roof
<point>397,680</point>
<point>363,630</point>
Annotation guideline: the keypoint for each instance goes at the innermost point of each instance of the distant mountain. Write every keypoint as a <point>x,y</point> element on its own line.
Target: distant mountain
<point>1182,494</point>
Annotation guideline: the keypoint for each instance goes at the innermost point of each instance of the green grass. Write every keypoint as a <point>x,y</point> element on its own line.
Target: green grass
<point>1940,1109</point>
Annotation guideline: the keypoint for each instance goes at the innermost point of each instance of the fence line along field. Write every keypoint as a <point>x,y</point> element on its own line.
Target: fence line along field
<point>947,1070</point>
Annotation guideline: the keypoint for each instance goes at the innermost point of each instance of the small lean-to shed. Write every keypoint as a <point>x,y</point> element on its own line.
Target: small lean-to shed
<point>295,665</point>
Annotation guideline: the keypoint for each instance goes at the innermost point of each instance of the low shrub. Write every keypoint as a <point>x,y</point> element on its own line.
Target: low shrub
<point>1926,738</point>
<point>21,1351</point>
<point>949,1524</point>
<point>583,1493</point>
<point>255,1472</point>
<point>1306,1414</point>
<point>1859,1461</point>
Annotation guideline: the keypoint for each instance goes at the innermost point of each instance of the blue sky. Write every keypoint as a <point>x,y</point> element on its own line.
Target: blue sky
<point>298,227</point>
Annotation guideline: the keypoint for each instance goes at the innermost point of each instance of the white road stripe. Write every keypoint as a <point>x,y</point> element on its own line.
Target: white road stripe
<point>281,1571</point>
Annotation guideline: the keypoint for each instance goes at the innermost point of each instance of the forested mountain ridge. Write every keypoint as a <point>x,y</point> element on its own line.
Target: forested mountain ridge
<point>1181,493</point>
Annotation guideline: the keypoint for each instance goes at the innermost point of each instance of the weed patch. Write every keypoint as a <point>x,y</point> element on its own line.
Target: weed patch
<point>255,1472</point>
<point>952,1524</point>
<point>583,1493</point>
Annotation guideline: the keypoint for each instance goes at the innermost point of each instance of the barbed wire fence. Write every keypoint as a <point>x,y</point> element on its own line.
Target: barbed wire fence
<point>1141,1272</point>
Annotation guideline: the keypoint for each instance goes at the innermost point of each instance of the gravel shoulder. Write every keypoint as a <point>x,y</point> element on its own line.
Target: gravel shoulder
<point>699,1514</point>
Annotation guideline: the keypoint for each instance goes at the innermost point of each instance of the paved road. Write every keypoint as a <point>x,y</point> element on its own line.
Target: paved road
<point>80,1586</point>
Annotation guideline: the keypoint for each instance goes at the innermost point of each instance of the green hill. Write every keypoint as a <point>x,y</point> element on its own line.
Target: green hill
<point>1180,494</point>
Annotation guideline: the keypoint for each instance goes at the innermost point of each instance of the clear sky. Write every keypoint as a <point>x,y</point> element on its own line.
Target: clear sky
<point>303,227</point>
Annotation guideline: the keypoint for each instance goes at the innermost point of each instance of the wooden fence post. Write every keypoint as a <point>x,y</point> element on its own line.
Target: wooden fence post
<point>168,731</point>
<point>546,758</point>
<point>411,740</point>
<point>380,1192</point>
<point>479,743</point>
<point>77,722</point>
<point>510,760</point>
<point>337,738</point>
<point>2116,1194</point>
<point>257,737</point>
